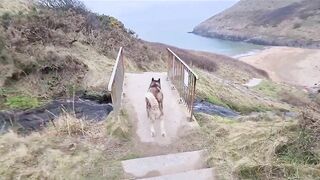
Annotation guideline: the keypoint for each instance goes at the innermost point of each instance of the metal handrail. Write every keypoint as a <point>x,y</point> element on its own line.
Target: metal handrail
<point>186,65</point>
<point>115,86</point>
<point>183,78</point>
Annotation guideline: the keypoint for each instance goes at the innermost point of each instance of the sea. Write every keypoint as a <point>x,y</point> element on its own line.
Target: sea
<point>170,22</point>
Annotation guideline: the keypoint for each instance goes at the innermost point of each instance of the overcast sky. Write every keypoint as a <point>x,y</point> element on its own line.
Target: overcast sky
<point>119,8</point>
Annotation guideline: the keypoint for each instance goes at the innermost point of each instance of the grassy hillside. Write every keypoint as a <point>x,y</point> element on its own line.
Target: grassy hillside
<point>274,22</point>
<point>47,52</point>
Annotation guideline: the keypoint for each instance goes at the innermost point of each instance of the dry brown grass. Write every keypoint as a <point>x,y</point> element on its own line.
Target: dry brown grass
<point>310,121</point>
<point>15,6</point>
<point>70,149</point>
<point>67,124</point>
<point>251,150</point>
<point>223,66</point>
<point>295,98</point>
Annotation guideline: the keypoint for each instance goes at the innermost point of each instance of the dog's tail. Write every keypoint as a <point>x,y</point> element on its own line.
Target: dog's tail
<point>152,100</point>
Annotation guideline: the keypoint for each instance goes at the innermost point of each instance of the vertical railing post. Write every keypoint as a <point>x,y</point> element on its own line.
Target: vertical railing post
<point>177,75</point>
<point>193,94</point>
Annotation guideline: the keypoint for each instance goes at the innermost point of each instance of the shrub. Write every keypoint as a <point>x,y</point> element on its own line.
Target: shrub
<point>300,150</point>
<point>310,121</point>
<point>6,20</point>
<point>198,61</point>
<point>5,57</point>
<point>296,25</point>
<point>293,98</point>
<point>64,5</point>
<point>68,124</point>
<point>2,43</point>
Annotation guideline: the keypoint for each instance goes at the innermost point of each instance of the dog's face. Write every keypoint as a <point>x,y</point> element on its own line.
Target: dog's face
<point>155,83</point>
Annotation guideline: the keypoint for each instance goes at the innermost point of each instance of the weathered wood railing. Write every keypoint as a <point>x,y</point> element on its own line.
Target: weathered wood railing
<point>183,78</point>
<point>115,86</point>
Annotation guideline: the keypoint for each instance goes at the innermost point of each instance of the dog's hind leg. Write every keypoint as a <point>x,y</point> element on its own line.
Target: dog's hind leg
<point>153,133</point>
<point>163,132</point>
<point>148,106</point>
<point>161,108</point>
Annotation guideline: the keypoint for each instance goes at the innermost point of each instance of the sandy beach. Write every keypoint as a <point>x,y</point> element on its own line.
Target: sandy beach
<point>297,66</point>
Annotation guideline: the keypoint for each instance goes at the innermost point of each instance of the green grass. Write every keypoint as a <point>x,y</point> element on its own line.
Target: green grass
<point>224,120</point>
<point>268,88</point>
<point>22,102</point>
<point>7,91</point>
<point>215,100</point>
<point>215,91</point>
<point>130,156</point>
<point>247,108</point>
<point>299,151</point>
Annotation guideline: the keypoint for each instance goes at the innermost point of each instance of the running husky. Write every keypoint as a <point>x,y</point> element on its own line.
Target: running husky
<point>154,105</point>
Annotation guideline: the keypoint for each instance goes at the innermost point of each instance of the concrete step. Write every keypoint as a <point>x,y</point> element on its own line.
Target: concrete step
<point>200,174</point>
<point>163,165</point>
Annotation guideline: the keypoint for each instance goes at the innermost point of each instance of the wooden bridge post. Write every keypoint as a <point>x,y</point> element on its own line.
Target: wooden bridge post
<point>115,86</point>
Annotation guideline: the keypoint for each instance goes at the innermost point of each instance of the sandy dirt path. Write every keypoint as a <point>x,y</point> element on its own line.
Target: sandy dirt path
<point>295,66</point>
<point>175,114</point>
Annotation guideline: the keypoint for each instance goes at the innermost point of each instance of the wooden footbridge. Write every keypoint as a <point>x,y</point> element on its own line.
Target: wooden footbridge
<point>179,88</point>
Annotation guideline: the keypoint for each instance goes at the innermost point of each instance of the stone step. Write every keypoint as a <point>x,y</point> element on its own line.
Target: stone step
<point>200,174</point>
<point>163,165</point>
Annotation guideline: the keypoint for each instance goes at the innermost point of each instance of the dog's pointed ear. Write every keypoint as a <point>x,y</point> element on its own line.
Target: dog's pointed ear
<point>159,79</point>
<point>152,79</point>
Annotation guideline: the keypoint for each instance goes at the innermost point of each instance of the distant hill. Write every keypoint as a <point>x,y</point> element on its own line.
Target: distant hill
<point>273,22</point>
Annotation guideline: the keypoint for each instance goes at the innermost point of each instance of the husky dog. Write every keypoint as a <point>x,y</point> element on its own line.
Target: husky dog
<point>154,105</point>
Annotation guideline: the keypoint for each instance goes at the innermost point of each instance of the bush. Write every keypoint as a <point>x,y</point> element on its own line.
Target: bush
<point>310,121</point>
<point>5,58</point>
<point>296,25</point>
<point>300,150</point>
<point>64,5</point>
<point>293,98</point>
<point>200,62</point>
<point>6,20</point>
<point>68,124</point>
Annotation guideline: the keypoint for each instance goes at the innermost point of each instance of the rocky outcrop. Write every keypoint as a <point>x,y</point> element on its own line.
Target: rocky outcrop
<point>275,22</point>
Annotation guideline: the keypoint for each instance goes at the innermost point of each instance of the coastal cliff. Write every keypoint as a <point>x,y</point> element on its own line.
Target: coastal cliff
<point>293,23</point>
